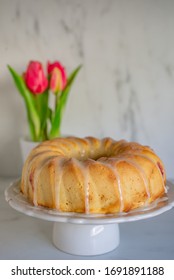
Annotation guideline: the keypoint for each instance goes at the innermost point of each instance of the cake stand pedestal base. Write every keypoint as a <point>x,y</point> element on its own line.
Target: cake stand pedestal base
<point>81,239</point>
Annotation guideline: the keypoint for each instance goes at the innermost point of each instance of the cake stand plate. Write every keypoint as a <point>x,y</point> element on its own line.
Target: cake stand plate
<point>86,234</point>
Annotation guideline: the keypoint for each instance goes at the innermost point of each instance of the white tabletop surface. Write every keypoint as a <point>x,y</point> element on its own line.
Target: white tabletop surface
<point>24,237</point>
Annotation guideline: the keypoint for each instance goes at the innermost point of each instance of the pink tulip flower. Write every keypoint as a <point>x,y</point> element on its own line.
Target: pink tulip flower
<point>58,78</point>
<point>35,78</point>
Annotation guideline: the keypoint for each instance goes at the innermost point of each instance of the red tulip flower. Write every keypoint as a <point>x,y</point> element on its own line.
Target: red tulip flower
<point>35,78</point>
<point>58,78</point>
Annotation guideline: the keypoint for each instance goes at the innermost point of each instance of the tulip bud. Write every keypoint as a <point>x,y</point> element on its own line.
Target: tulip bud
<point>58,77</point>
<point>35,78</point>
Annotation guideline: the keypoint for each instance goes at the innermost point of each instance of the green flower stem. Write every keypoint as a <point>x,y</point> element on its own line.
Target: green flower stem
<point>60,106</point>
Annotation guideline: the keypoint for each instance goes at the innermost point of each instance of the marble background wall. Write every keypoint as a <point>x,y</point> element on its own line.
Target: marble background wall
<point>126,86</point>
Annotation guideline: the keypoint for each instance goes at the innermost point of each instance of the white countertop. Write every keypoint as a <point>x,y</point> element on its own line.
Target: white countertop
<point>24,237</point>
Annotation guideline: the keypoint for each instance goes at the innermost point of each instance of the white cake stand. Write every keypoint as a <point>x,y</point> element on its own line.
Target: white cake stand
<point>86,234</point>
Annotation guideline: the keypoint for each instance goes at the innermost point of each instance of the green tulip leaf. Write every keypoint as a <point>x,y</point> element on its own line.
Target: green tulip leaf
<point>33,117</point>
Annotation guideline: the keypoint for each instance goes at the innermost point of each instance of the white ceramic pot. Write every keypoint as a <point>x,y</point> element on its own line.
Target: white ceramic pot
<point>26,147</point>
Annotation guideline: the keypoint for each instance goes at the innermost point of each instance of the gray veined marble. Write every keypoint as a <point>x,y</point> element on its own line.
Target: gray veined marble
<point>126,86</point>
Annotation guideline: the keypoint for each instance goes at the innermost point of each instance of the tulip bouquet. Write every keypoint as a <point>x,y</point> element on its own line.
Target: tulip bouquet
<point>36,87</point>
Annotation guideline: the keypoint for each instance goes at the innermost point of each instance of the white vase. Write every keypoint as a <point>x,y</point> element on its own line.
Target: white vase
<point>26,147</point>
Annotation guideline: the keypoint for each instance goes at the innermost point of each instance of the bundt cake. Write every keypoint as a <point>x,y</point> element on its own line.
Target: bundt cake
<point>90,175</point>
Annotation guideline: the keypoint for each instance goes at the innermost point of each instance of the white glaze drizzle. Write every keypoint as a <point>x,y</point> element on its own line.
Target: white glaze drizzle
<point>29,166</point>
<point>156,165</point>
<point>115,161</point>
<point>36,171</point>
<point>85,173</point>
<point>117,178</point>
<point>57,181</point>
<point>143,175</point>
<point>36,176</point>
